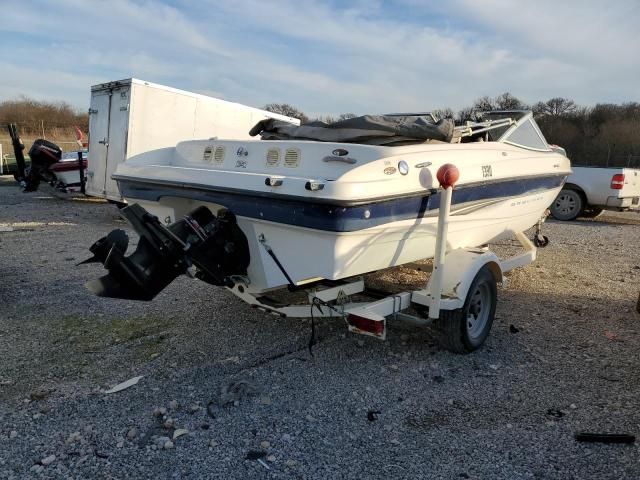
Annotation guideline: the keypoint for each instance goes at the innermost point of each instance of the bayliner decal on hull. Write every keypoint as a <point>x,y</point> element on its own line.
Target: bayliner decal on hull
<point>336,218</point>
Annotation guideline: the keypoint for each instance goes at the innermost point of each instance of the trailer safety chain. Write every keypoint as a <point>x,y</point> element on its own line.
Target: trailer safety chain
<point>319,303</point>
<point>315,302</point>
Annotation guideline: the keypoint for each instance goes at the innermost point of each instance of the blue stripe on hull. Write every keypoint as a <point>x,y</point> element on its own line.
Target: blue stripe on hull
<point>336,218</point>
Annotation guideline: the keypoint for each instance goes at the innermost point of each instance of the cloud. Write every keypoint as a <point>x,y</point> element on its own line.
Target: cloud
<point>368,57</point>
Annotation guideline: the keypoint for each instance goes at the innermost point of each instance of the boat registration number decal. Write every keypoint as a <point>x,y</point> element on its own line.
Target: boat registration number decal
<point>390,170</point>
<point>241,164</point>
<point>486,171</point>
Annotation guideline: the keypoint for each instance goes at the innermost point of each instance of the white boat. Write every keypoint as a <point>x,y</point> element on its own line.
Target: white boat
<point>314,211</point>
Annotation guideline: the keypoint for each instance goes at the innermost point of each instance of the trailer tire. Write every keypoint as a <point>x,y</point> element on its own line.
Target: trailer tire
<point>592,212</point>
<point>568,205</point>
<point>465,329</point>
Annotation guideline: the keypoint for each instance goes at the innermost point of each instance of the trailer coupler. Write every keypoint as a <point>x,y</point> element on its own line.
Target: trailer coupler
<point>215,246</point>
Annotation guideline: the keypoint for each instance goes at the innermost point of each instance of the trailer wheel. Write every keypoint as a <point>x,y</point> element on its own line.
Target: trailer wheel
<point>567,205</point>
<point>465,329</point>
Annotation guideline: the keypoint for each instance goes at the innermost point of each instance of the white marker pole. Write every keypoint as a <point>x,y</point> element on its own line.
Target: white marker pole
<point>441,250</point>
<point>447,176</point>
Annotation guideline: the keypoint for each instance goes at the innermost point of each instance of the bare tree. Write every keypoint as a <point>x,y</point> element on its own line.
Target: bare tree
<point>286,109</point>
<point>556,107</point>
<point>444,113</point>
<point>328,119</point>
<point>483,104</point>
<point>346,116</point>
<point>34,115</point>
<point>506,101</point>
<point>467,114</point>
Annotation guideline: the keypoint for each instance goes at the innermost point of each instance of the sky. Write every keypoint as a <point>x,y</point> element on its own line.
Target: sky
<point>326,57</point>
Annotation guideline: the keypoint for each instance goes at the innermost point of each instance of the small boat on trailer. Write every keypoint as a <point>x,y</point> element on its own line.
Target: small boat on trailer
<point>64,171</point>
<point>67,175</point>
<point>316,207</point>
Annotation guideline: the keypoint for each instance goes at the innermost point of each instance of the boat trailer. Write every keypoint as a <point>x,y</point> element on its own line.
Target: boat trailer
<point>459,295</point>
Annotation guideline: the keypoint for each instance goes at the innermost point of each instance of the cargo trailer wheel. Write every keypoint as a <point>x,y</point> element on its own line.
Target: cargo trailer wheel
<point>567,205</point>
<point>465,329</point>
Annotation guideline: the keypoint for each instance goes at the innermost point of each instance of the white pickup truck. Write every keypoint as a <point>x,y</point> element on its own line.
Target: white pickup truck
<point>590,190</point>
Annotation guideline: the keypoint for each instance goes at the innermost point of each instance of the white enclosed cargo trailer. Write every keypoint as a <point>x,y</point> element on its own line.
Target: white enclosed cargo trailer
<point>129,118</point>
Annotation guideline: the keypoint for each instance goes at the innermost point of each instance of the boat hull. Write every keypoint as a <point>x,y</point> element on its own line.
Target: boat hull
<point>309,254</point>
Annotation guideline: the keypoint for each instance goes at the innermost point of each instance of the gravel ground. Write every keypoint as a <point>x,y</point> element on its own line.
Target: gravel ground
<point>562,357</point>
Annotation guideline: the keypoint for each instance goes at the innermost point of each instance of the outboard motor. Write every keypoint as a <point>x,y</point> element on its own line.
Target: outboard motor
<point>214,245</point>
<point>43,154</point>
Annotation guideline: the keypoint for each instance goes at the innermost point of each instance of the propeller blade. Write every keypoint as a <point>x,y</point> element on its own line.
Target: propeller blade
<point>117,239</point>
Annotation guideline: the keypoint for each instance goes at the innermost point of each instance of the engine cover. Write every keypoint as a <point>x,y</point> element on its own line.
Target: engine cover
<point>43,154</point>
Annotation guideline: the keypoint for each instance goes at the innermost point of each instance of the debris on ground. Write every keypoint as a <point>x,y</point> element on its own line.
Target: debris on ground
<point>605,437</point>
<point>124,385</point>
<point>179,432</point>
<point>612,336</point>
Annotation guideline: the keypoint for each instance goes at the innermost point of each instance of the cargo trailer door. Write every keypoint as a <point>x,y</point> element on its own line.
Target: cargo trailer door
<point>118,138</point>
<point>98,142</point>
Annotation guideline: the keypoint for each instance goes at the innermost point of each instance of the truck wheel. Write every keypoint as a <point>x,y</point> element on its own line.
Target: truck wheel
<point>567,205</point>
<point>465,329</point>
<point>592,212</point>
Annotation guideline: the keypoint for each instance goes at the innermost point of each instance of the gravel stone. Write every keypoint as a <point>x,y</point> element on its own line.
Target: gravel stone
<point>159,412</point>
<point>48,460</point>
<point>169,423</point>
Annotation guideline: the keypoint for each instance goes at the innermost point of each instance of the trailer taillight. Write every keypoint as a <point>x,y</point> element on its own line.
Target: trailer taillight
<point>366,326</point>
<point>617,181</point>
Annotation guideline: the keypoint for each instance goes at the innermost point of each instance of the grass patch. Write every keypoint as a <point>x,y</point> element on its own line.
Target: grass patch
<point>144,335</point>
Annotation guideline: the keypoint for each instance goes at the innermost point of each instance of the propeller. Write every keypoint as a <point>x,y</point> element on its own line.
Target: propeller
<point>117,239</point>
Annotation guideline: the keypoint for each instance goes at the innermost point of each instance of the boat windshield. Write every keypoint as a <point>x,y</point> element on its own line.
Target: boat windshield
<point>526,134</point>
<point>496,134</point>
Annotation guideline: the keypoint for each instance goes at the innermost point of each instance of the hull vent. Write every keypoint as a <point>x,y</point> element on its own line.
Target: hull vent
<point>218,154</point>
<point>273,157</point>
<point>292,157</point>
<point>208,154</point>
